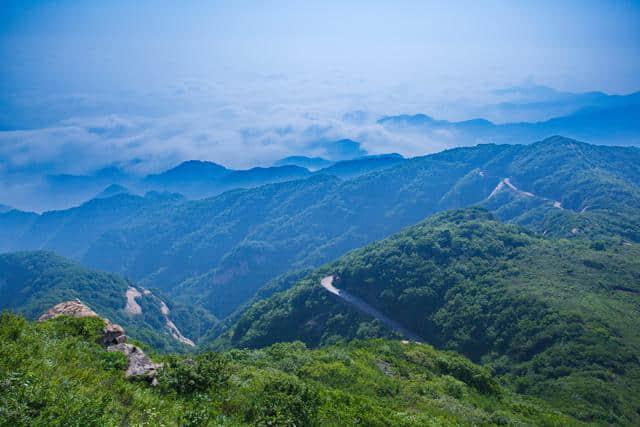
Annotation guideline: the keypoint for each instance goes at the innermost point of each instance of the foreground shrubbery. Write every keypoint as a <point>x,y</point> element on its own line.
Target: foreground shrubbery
<point>55,373</point>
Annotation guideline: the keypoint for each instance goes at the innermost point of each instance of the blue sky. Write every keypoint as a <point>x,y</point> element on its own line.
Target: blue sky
<point>83,83</point>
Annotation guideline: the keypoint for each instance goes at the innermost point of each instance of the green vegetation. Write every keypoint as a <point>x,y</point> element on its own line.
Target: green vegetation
<point>33,282</point>
<point>554,318</point>
<point>219,251</point>
<point>54,373</point>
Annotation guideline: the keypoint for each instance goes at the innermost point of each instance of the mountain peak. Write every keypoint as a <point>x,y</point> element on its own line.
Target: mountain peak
<point>112,190</point>
<point>557,140</point>
<point>197,165</point>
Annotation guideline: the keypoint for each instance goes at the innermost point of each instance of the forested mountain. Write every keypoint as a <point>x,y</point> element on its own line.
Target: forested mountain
<point>220,250</point>
<point>56,371</point>
<point>33,282</point>
<point>198,179</point>
<point>70,232</point>
<point>362,165</point>
<point>311,163</point>
<point>553,317</point>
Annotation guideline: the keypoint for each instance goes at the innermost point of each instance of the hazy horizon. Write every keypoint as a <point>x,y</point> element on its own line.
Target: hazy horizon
<point>147,85</point>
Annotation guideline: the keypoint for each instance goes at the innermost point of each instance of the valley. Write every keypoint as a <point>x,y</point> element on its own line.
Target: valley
<point>319,214</point>
<point>528,255</point>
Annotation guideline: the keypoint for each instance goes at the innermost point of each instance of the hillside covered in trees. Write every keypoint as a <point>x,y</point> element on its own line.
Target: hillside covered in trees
<point>553,317</point>
<point>33,282</point>
<point>218,252</point>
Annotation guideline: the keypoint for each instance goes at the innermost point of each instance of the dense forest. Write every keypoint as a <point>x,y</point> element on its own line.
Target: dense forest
<point>218,252</point>
<point>527,264</point>
<point>552,317</point>
<point>33,282</point>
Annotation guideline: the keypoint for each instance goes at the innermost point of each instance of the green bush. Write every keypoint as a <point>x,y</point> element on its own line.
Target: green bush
<point>194,374</point>
<point>284,401</point>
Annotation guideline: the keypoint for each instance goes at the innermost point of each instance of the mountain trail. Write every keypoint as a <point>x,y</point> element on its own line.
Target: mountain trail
<point>506,182</point>
<point>364,307</point>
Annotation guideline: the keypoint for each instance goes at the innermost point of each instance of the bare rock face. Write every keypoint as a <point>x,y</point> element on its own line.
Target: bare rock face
<point>73,308</point>
<point>139,363</point>
<point>113,339</point>
<point>112,333</point>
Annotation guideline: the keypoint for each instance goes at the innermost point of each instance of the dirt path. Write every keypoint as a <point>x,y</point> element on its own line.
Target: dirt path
<point>132,306</point>
<point>506,182</point>
<point>364,307</point>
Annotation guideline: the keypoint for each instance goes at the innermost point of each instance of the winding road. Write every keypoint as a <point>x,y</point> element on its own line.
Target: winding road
<point>506,182</point>
<point>364,307</point>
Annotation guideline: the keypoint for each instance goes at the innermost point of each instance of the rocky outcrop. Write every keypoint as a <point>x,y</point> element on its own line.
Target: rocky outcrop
<point>73,308</point>
<point>139,365</point>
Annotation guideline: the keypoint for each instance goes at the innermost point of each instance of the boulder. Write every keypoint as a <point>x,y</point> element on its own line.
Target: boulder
<point>111,333</point>
<point>73,308</point>
<point>113,339</point>
<point>139,363</point>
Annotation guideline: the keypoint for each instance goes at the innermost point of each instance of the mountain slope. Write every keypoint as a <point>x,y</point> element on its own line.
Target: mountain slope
<point>362,165</point>
<point>220,251</point>
<point>70,232</point>
<point>32,282</point>
<point>56,371</point>
<point>199,179</point>
<point>552,317</point>
<point>311,163</point>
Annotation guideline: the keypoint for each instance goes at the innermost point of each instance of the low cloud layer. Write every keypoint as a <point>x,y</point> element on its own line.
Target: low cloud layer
<point>234,138</point>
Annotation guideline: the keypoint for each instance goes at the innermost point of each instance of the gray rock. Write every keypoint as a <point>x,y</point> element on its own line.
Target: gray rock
<point>139,365</point>
<point>111,333</point>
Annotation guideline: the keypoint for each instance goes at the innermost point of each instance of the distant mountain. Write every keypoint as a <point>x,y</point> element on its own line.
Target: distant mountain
<point>540,107</point>
<point>197,179</point>
<point>33,282</point>
<point>112,190</point>
<point>63,190</point>
<point>5,208</point>
<point>311,163</point>
<point>496,293</point>
<point>70,232</point>
<point>188,173</point>
<point>259,176</point>
<point>362,165</point>
<point>221,250</point>
<point>608,126</point>
<point>344,149</point>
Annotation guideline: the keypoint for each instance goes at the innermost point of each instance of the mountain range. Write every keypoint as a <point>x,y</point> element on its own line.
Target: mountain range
<point>526,263</point>
<point>610,126</point>
<point>220,250</point>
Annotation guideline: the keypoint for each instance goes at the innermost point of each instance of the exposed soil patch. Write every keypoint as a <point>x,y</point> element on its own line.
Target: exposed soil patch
<point>132,306</point>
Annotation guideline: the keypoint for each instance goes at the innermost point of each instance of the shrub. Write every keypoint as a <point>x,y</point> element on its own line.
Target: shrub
<point>284,401</point>
<point>196,374</point>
